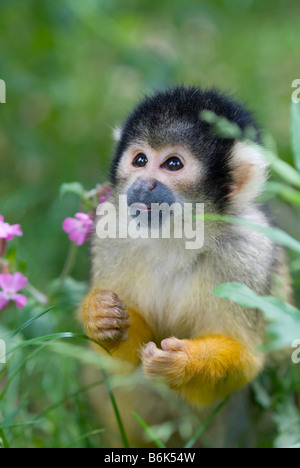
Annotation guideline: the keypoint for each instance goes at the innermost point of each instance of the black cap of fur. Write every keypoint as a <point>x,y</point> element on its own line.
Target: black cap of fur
<point>174,116</point>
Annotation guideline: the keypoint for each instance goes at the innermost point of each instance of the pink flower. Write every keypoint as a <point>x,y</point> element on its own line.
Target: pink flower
<point>78,229</point>
<point>105,194</point>
<point>8,231</point>
<point>11,285</point>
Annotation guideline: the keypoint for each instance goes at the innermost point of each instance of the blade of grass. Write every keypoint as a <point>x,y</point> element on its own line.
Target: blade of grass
<point>43,338</point>
<point>149,431</point>
<point>84,436</point>
<point>3,439</point>
<point>283,169</point>
<point>12,415</point>
<point>22,327</point>
<point>13,426</point>
<point>284,191</point>
<point>206,423</point>
<point>116,410</point>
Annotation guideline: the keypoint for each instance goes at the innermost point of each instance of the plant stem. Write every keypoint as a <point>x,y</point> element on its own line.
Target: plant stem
<point>69,263</point>
<point>38,295</point>
<point>4,440</point>
<point>2,247</point>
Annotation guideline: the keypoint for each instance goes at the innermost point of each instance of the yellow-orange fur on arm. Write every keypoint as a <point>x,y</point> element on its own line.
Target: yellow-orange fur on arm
<point>204,369</point>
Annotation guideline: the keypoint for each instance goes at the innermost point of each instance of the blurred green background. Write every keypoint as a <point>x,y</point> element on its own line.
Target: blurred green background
<point>74,69</point>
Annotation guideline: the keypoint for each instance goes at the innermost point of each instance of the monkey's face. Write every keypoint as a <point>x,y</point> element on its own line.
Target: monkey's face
<point>151,176</point>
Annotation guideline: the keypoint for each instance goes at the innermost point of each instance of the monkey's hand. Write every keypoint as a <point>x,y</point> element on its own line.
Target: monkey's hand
<point>105,318</point>
<point>108,322</point>
<point>204,369</point>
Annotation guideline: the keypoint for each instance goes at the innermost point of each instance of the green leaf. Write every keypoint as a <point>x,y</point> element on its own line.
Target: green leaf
<point>286,192</point>
<point>295,265</point>
<point>284,326</point>
<point>282,169</point>
<point>261,395</point>
<point>69,293</point>
<point>11,254</point>
<point>221,126</point>
<point>287,418</point>
<point>295,130</point>
<point>74,188</point>
<point>276,235</point>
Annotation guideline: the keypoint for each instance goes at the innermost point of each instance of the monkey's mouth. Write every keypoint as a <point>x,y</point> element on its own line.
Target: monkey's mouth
<point>140,207</point>
<point>149,216</point>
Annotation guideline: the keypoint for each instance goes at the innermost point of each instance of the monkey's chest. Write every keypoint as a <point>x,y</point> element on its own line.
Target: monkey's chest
<point>178,304</point>
<point>164,286</point>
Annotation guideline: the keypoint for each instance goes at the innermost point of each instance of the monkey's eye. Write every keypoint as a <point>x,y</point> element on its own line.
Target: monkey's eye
<point>173,164</point>
<point>140,160</point>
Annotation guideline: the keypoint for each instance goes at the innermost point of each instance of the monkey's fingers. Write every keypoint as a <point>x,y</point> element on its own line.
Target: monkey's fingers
<point>173,344</point>
<point>103,302</point>
<point>108,329</point>
<point>111,336</point>
<point>105,317</point>
<point>167,365</point>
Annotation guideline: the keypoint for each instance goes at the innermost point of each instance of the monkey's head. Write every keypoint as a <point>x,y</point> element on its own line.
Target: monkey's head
<point>167,152</point>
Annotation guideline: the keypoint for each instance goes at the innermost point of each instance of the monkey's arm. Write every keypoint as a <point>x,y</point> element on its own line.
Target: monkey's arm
<point>202,369</point>
<point>109,323</point>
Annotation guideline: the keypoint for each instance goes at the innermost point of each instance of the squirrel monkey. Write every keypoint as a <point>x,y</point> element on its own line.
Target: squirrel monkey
<point>151,300</point>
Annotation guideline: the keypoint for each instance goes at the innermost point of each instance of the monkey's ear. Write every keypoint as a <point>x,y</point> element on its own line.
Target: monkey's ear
<point>249,169</point>
<point>117,133</point>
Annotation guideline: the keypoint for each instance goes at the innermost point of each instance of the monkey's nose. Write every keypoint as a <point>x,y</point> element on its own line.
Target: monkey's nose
<point>148,191</point>
<point>153,186</point>
<point>145,185</point>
